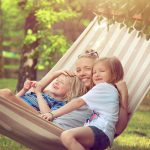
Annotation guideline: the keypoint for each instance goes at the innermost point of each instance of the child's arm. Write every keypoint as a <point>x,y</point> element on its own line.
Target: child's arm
<point>49,77</point>
<point>72,105</point>
<point>123,110</point>
<point>43,106</point>
<point>26,87</point>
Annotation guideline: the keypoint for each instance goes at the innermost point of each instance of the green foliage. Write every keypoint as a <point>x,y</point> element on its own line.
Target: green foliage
<point>51,40</point>
<point>30,37</point>
<point>47,13</point>
<point>133,13</point>
<point>10,55</point>
<point>12,23</point>
<point>51,45</point>
<point>85,22</point>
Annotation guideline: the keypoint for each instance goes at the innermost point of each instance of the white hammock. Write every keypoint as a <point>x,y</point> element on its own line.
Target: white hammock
<point>134,53</point>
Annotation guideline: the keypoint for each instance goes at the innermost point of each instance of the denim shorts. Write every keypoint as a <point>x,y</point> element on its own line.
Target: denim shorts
<point>101,140</point>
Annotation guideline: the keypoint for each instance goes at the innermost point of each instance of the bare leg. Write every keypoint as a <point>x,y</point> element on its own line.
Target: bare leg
<point>81,138</point>
<point>7,93</point>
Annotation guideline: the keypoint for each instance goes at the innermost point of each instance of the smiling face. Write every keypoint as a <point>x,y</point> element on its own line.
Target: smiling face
<point>102,72</point>
<point>84,70</point>
<point>59,87</point>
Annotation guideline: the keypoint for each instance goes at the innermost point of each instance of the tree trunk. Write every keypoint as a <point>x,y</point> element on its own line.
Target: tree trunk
<point>27,68</point>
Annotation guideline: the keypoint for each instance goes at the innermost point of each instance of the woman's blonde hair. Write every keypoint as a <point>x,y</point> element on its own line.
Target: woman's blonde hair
<point>89,53</point>
<point>92,55</point>
<point>115,67</point>
<point>76,88</point>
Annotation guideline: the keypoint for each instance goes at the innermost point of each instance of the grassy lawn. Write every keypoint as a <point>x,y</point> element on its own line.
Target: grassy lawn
<point>8,83</point>
<point>135,137</point>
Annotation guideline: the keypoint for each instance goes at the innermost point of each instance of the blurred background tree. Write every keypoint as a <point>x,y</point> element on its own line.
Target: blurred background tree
<point>41,40</point>
<point>1,47</point>
<point>40,32</point>
<point>12,20</point>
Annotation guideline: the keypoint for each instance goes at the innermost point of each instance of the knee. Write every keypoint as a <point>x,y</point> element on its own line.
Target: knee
<point>6,93</point>
<point>67,138</point>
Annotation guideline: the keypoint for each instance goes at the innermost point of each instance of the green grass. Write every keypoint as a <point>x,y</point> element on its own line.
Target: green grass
<point>137,134</point>
<point>8,83</point>
<point>135,137</point>
<point>8,144</point>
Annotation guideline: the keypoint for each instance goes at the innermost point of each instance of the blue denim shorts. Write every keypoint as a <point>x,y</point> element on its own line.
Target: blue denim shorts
<point>101,140</point>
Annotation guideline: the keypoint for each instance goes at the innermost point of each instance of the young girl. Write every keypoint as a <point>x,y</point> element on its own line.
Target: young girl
<point>103,99</point>
<point>61,89</point>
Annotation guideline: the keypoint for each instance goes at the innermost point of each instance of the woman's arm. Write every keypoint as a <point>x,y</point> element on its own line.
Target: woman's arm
<point>123,110</point>
<point>72,105</point>
<point>49,77</point>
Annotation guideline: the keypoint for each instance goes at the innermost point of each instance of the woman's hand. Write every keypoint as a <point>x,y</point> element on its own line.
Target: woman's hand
<point>47,116</point>
<point>65,72</point>
<point>69,73</point>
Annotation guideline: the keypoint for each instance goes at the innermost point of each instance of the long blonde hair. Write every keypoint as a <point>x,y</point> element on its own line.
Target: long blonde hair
<point>76,89</point>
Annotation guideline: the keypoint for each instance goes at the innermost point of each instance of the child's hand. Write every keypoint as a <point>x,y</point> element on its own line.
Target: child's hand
<point>37,87</point>
<point>47,116</point>
<point>27,85</point>
<point>34,83</point>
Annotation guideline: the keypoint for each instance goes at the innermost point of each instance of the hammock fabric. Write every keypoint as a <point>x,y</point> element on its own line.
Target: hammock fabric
<point>134,53</point>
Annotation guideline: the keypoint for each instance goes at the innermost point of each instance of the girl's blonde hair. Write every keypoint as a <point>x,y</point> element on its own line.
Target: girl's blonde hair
<point>76,89</point>
<point>115,67</point>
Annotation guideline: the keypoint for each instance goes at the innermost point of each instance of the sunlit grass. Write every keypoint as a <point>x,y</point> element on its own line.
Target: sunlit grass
<point>137,134</point>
